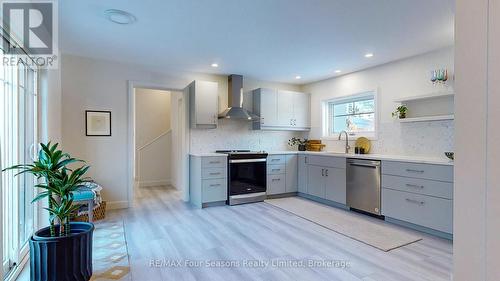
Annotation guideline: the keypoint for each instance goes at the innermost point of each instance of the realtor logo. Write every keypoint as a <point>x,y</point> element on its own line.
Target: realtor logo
<point>30,29</point>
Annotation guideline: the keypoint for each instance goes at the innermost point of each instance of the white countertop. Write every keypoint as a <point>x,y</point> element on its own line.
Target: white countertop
<point>387,157</point>
<point>208,154</point>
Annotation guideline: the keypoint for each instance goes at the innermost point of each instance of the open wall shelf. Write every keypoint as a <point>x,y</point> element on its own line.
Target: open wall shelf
<point>436,106</point>
<point>427,118</point>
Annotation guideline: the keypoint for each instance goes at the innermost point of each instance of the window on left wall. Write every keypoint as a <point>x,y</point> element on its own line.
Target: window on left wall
<point>18,144</point>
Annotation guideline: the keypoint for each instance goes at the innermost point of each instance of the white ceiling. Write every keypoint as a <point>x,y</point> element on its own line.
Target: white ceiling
<point>273,40</point>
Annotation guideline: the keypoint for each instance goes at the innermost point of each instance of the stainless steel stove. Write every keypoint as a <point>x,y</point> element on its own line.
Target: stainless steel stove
<point>246,176</point>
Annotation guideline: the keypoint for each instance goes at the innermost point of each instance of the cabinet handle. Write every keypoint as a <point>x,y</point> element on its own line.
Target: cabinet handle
<point>415,201</point>
<point>415,186</point>
<point>214,162</point>
<point>276,170</point>
<point>276,179</point>
<point>415,171</point>
<point>326,172</point>
<point>322,172</point>
<point>275,159</point>
<point>214,174</point>
<point>214,185</point>
<point>305,160</point>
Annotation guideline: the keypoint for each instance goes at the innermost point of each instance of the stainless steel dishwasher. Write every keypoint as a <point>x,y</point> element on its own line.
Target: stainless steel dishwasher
<point>363,185</point>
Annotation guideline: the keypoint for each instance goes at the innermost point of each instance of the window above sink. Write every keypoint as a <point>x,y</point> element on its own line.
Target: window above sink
<point>356,114</point>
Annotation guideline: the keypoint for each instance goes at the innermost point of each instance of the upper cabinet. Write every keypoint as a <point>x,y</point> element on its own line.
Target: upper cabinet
<point>203,104</point>
<point>281,110</point>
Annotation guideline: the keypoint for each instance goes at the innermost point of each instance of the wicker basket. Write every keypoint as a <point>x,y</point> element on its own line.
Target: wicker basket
<point>99,214</point>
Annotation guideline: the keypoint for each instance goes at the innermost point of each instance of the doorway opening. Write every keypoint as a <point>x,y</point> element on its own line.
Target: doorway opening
<point>158,148</point>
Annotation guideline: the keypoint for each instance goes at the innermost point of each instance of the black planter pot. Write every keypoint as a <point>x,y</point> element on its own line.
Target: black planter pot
<point>62,258</point>
<point>302,147</point>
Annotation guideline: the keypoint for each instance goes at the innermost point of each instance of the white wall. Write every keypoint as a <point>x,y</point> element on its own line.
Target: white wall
<point>102,85</point>
<point>153,138</point>
<point>476,247</point>
<point>409,77</point>
<point>152,115</point>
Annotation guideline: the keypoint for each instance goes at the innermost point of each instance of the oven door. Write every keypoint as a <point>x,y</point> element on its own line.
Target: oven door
<point>247,176</point>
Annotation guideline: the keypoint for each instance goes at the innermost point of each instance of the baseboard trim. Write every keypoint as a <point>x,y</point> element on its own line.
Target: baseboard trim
<point>153,183</point>
<point>114,205</point>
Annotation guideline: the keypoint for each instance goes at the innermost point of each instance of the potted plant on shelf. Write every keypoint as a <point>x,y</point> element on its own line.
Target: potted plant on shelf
<point>301,143</point>
<point>400,112</point>
<point>63,250</point>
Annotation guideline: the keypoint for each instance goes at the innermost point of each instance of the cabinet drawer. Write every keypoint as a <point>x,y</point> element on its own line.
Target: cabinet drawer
<point>416,170</point>
<point>420,186</point>
<point>213,162</point>
<point>276,169</point>
<point>214,190</point>
<point>276,159</point>
<point>213,173</point>
<point>431,212</point>
<point>275,184</point>
<point>326,161</point>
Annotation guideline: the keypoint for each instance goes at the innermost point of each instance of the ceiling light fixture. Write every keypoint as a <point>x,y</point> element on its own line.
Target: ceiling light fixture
<point>214,65</point>
<point>338,71</point>
<point>368,55</point>
<point>298,77</point>
<point>119,16</point>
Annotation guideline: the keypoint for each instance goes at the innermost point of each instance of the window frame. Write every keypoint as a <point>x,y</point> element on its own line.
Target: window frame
<point>17,249</point>
<point>344,99</point>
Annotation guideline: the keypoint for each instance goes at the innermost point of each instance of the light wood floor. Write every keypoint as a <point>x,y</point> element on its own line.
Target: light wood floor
<point>160,226</point>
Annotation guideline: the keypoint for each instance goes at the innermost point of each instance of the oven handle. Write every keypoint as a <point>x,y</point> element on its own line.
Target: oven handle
<point>247,160</point>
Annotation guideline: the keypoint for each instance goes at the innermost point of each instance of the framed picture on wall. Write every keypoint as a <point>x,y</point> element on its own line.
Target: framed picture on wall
<point>97,123</point>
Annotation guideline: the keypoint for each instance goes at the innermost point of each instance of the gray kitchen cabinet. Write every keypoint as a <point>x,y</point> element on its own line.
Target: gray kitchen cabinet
<point>203,104</point>
<point>335,185</point>
<point>281,110</point>
<point>327,183</point>
<point>291,173</point>
<point>428,211</point>
<point>281,174</point>
<point>419,194</point>
<point>302,173</point>
<point>276,184</point>
<point>208,180</point>
<point>316,181</point>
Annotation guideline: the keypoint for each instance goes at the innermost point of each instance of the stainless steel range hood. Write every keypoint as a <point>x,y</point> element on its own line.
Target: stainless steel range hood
<point>235,100</point>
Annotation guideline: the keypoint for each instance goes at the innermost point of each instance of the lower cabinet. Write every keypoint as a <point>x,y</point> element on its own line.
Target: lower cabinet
<point>327,183</point>
<point>208,180</point>
<point>302,173</point>
<point>428,211</point>
<point>291,180</point>
<point>276,184</point>
<point>316,181</point>
<point>335,188</point>
<point>282,174</point>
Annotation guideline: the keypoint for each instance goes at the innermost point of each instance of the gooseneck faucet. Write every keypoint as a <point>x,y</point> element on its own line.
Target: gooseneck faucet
<point>347,147</point>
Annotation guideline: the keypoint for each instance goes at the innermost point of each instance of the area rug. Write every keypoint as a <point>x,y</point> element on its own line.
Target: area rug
<point>365,229</point>
<point>110,255</point>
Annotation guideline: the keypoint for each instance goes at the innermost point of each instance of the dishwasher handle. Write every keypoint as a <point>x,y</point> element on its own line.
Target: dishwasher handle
<point>364,165</point>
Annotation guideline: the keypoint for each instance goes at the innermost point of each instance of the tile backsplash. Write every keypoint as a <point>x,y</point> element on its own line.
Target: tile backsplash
<point>236,134</point>
<point>413,139</point>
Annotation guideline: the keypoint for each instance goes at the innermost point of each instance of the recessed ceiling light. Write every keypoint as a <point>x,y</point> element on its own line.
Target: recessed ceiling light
<point>298,77</point>
<point>119,16</point>
<point>338,71</point>
<point>368,55</point>
<point>214,65</point>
